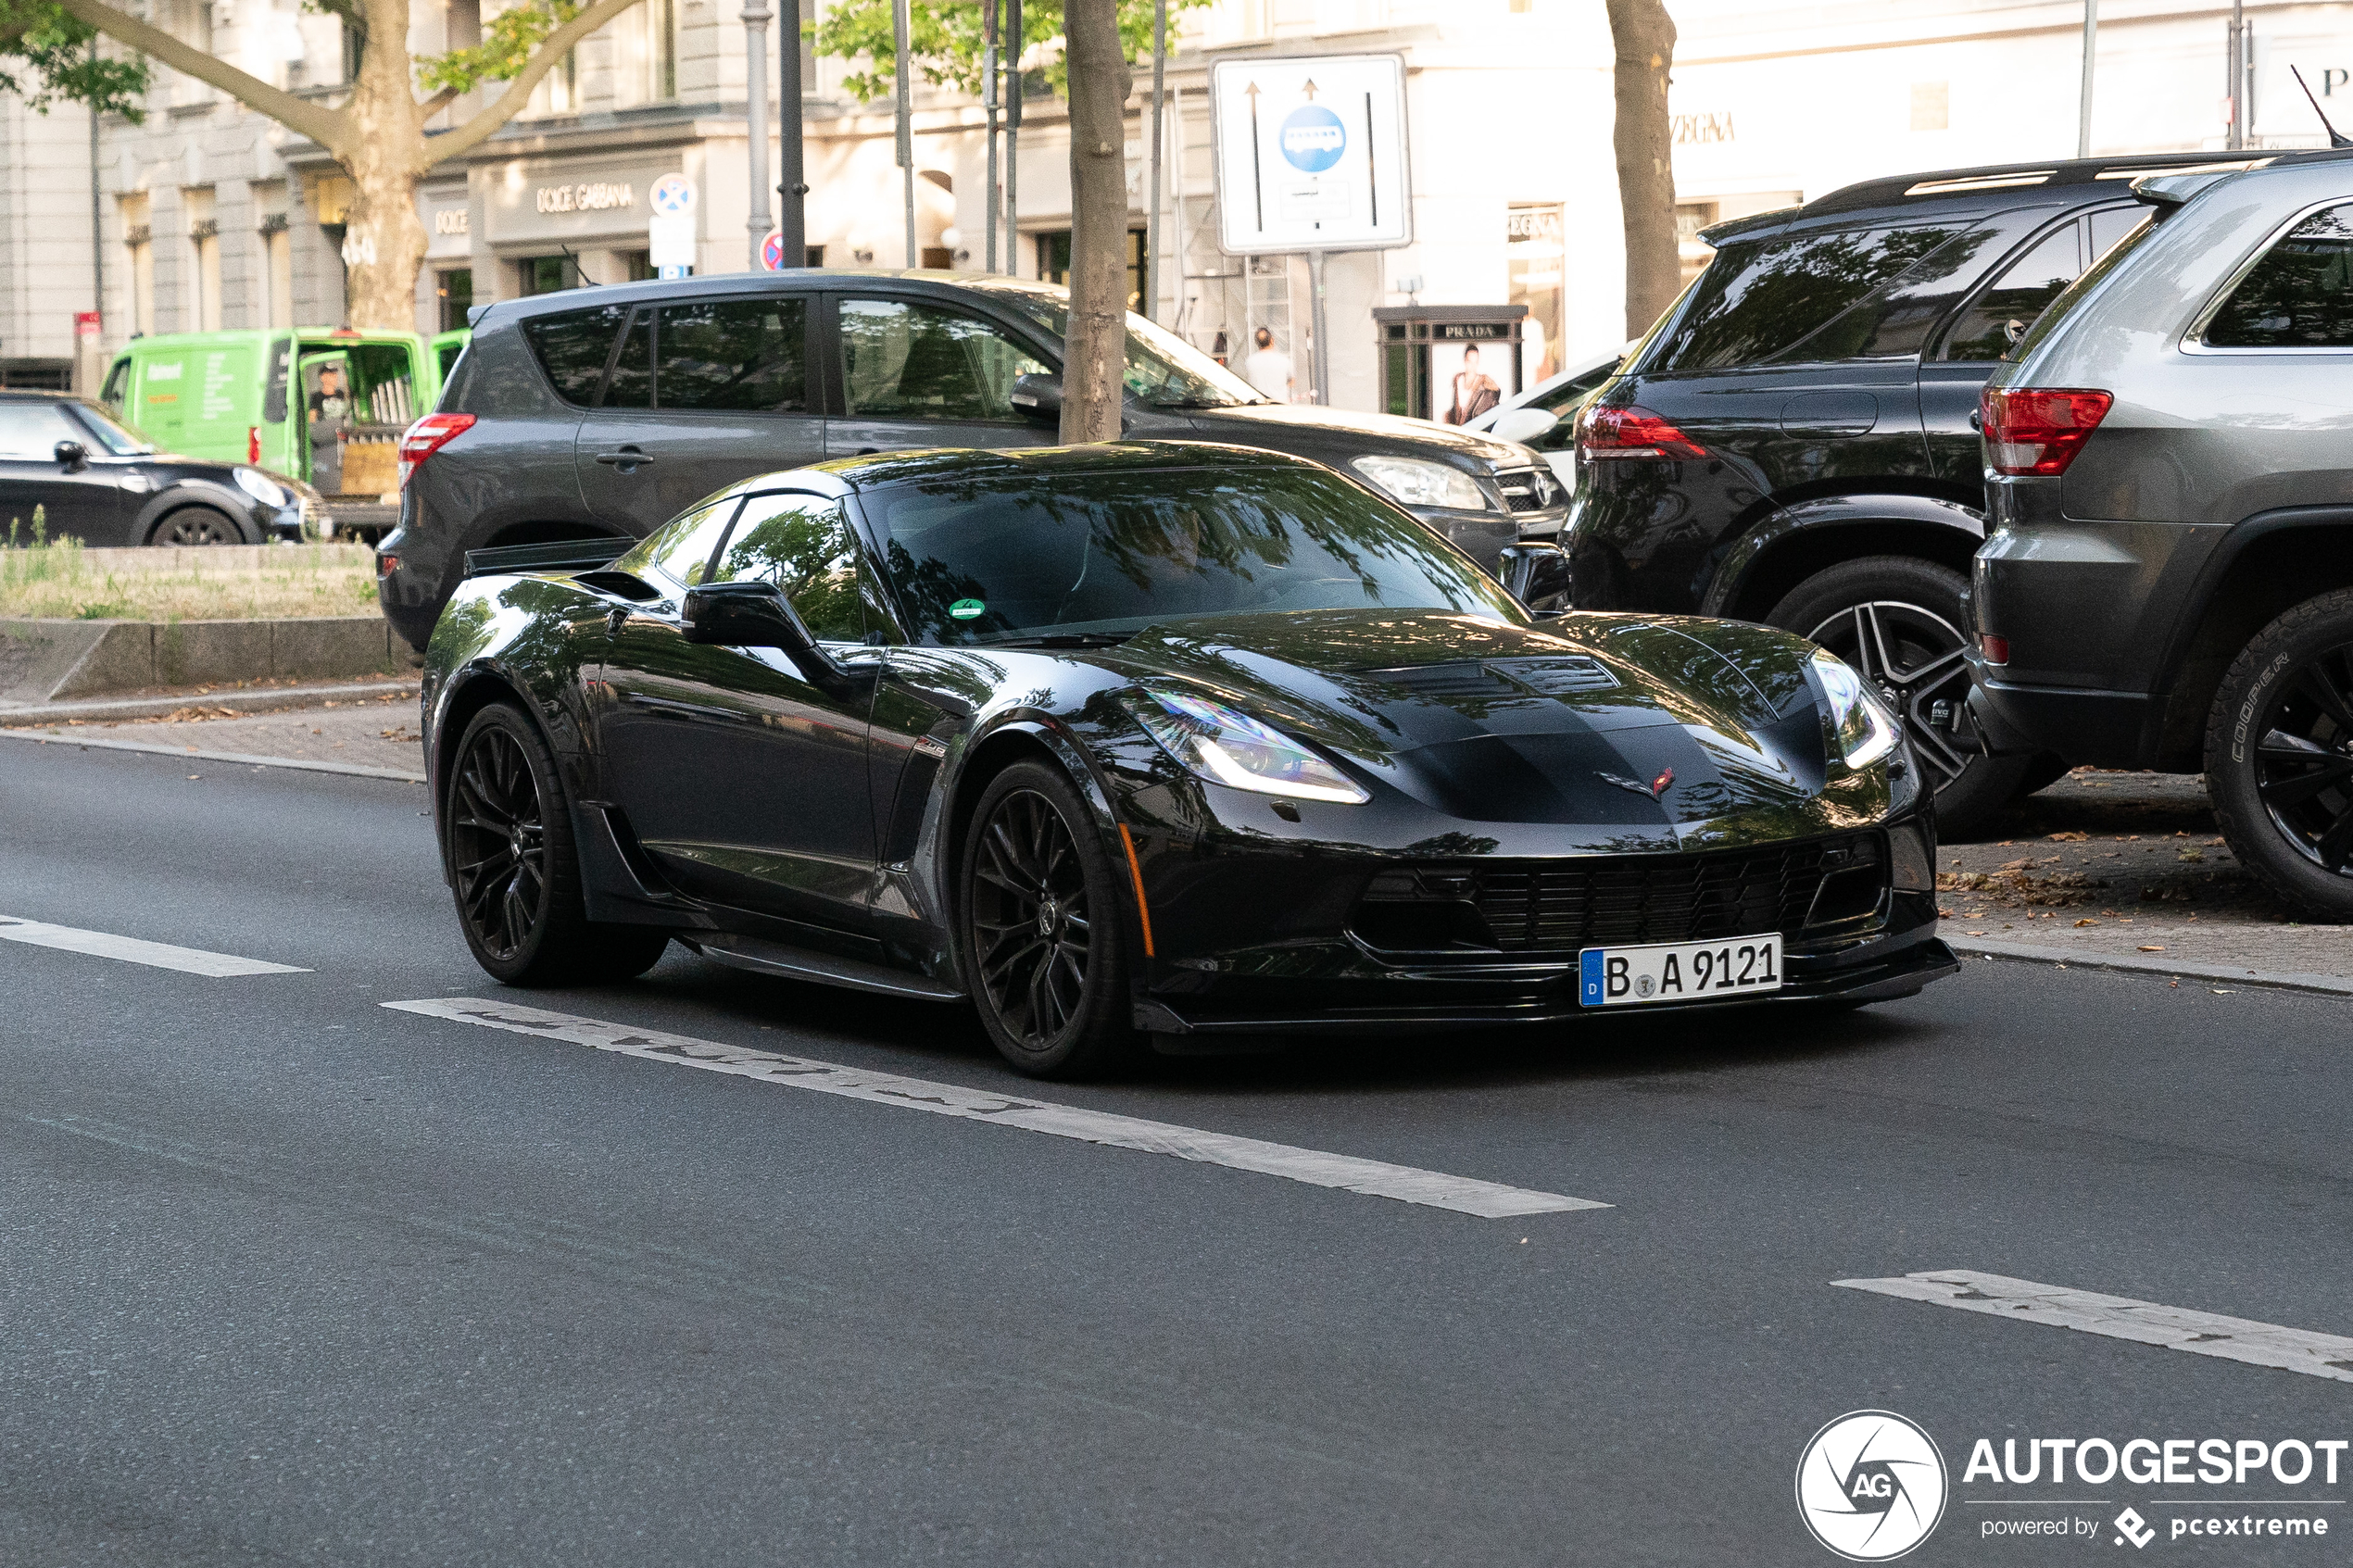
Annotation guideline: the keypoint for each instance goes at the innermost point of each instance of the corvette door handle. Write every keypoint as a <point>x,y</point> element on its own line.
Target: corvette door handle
<point>627,460</point>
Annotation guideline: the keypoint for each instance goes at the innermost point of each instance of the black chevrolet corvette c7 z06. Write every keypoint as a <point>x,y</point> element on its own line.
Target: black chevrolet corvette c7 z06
<point>1152,740</point>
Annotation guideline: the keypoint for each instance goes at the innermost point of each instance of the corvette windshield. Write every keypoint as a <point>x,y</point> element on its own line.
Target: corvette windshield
<point>1112,553</point>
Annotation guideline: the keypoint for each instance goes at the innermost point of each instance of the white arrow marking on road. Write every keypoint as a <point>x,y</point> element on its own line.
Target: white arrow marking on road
<point>1433,1189</point>
<point>2120,1317</point>
<point>131,949</point>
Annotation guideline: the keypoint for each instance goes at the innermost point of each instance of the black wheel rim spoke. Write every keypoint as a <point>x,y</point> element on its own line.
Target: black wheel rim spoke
<point>497,844</point>
<point>1031,941</point>
<point>2303,765</point>
<point>1916,659</point>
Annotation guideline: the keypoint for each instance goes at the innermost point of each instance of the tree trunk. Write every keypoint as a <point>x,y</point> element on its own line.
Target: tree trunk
<point>1644,35</point>
<point>383,244</point>
<point>1094,354</point>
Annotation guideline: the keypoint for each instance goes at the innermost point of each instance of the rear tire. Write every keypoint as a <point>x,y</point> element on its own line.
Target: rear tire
<point>515,870</point>
<point>2278,757</point>
<point>1041,928</point>
<point>197,525</point>
<point>1898,621</point>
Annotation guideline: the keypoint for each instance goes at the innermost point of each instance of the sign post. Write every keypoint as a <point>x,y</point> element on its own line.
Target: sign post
<point>1311,155</point>
<point>670,230</point>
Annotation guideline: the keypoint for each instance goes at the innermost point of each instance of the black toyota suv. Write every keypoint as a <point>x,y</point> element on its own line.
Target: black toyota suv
<point>610,411</point>
<point>1794,441</point>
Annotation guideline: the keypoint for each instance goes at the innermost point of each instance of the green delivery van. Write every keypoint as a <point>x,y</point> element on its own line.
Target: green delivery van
<point>327,407</point>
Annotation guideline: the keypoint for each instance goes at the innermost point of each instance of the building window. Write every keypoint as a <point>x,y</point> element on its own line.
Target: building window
<point>661,49</point>
<point>277,271</point>
<point>636,265</point>
<point>138,238</point>
<point>563,84</point>
<point>455,291</point>
<point>1054,262</point>
<point>546,274</point>
<point>814,256</point>
<point>203,293</point>
<point>351,49</point>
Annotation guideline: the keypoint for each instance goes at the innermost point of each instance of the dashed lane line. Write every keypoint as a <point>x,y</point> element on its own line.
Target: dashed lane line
<point>2120,1317</point>
<point>131,949</point>
<point>1433,1189</point>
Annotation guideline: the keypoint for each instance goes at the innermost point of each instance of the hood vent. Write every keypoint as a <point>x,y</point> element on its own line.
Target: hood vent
<point>1563,676</point>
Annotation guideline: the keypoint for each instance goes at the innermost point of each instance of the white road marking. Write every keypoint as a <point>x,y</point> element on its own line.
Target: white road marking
<point>307,765</point>
<point>1433,1189</point>
<point>2120,1317</point>
<point>131,949</point>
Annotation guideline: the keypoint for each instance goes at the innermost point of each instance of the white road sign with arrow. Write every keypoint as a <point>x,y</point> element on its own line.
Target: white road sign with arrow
<point>1311,154</point>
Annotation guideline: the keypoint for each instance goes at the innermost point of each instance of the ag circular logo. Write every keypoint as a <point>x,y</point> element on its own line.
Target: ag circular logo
<point>1313,139</point>
<point>1870,1485</point>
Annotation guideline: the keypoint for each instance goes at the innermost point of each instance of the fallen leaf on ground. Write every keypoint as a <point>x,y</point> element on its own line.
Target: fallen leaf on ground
<point>2071,837</point>
<point>2080,923</point>
<point>2148,948</point>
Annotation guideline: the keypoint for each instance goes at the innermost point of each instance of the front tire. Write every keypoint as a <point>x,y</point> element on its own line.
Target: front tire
<point>514,867</point>
<point>197,525</point>
<point>1898,621</point>
<point>1040,928</point>
<point>2278,757</point>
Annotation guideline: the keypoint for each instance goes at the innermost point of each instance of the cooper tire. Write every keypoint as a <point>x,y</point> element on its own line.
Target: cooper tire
<point>1899,621</point>
<point>1041,928</point>
<point>2278,757</point>
<point>506,833</point>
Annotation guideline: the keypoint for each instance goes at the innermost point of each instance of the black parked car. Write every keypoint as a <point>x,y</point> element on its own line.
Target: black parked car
<point>1159,738</point>
<point>2170,582</point>
<point>95,480</point>
<point>1793,441</point>
<point>612,411</point>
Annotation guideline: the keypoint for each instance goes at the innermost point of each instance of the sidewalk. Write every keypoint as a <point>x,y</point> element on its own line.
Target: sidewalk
<point>378,729</point>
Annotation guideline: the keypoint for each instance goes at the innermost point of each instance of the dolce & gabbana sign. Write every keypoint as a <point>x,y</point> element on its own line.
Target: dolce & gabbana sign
<point>573,200</point>
<point>588,196</point>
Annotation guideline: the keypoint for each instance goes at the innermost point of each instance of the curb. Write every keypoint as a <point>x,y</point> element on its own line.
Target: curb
<point>2023,952</point>
<point>260,700</point>
<point>354,770</point>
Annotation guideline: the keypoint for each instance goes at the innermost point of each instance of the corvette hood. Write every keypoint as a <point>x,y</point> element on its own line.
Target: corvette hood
<point>1590,720</point>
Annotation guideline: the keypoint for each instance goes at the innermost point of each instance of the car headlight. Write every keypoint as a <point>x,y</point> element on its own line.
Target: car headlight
<point>260,487</point>
<point>1865,730</point>
<point>1417,481</point>
<point>1227,748</point>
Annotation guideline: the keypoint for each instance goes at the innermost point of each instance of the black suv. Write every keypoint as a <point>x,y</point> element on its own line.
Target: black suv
<point>612,411</point>
<point>1794,441</point>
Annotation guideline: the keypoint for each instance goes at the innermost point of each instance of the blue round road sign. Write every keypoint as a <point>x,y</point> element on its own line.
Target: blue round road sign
<point>1313,139</point>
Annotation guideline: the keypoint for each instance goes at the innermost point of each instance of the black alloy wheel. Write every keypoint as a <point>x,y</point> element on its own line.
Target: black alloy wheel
<point>1898,622</point>
<point>2278,757</point>
<point>1041,946</point>
<point>514,868</point>
<point>197,525</point>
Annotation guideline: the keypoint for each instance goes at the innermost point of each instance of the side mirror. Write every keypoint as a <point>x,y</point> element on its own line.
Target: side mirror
<point>756,615</point>
<point>73,454</point>
<point>1037,397</point>
<point>1537,575</point>
<point>1524,425</point>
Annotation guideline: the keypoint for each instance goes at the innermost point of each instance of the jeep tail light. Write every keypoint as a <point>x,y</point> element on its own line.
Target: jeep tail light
<point>2032,430</point>
<point>1632,432</point>
<point>253,445</point>
<point>427,436</point>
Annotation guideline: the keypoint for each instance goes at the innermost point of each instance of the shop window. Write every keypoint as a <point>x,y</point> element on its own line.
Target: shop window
<point>1533,255</point>
<point>546,274</point>
<point>455,290</point>
<point>636,265</point>
<point>1054,262</point>
<point>815,254</point>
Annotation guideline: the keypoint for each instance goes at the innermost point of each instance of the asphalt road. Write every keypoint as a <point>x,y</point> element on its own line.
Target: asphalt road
<point>287,1276</point>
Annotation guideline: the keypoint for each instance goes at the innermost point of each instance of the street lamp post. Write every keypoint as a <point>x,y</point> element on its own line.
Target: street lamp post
<point>2083,97</point>
<point>1151,302</point>
<point>901,25</point>
<point>792,216</point>
<point>756,120</point>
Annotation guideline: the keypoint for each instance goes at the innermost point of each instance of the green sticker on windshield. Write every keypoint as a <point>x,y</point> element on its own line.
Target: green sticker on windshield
<point>966,610</point>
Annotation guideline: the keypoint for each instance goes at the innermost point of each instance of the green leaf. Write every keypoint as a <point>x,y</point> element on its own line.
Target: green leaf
<point>48,58</point>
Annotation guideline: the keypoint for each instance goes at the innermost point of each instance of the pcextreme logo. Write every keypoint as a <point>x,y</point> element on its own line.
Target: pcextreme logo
<point>1870,1485</point>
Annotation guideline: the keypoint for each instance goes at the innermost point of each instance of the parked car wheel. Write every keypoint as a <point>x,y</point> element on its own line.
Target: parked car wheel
<point>514,868</point>
<point>2278,757</point>
<point>1898,622</point>
<point>1040,928</point>
<point>197,525</point>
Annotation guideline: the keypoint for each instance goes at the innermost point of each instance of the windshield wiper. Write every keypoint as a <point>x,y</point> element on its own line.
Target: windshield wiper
<point>1205,402</point>
<point>1063,640</point>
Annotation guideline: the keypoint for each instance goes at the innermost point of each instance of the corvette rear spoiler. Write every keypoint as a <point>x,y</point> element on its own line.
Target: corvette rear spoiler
<point>563,555</point>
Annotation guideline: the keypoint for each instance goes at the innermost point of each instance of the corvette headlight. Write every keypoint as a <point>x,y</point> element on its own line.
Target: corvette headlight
<point>1233,748</point>
<point>1417,481</point>
<point>260,487</point>
<point>1863,728</point>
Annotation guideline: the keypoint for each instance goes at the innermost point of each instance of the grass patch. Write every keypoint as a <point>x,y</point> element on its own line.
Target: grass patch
<point>56,579</point>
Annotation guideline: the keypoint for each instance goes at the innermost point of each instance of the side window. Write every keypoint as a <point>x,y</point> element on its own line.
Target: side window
<point>2000,315</point>
<point>631,385</point>
<point>737,354</point>
<point>681,549</point>
<point>2300,295</point>
<point>2111,224</point>
<point>118,386</point>
<point>571,348</point>
<point>1772,300</point>
<point>33,429</point>
<point>802,543</point>
<point>910,362</point>
<point>273,396</point>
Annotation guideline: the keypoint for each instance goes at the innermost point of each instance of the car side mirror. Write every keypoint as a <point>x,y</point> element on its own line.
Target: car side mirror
<point>756,615</point>
<point>1537,575</point>
<point>73,454</point>
<point>1524,425</point>
<point>1037,397</point>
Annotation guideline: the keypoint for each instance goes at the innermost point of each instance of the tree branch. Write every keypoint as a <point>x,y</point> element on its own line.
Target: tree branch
<point>486,124</point>
<point>326,126</point>
<point>439,102</point>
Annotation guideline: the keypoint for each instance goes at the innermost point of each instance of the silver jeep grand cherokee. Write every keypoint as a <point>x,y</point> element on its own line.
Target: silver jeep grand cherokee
<point>2170,469</point>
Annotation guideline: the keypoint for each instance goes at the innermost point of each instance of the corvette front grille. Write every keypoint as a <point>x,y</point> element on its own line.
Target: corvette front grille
<point>1560,906</point>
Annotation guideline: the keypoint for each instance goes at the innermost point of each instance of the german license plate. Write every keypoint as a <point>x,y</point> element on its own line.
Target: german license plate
<point>1678,972</point>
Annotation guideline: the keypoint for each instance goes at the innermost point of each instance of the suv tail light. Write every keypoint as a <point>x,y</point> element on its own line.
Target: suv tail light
<point>427,436</point>
<point>2032,430</point>
<point>1632,432</point>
